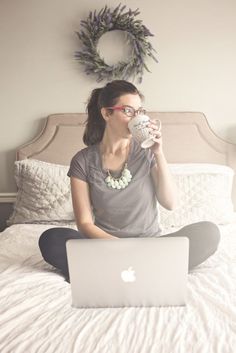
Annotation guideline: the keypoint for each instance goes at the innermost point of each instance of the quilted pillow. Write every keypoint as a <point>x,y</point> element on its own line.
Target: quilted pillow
<point>204,195</point>
<point>43,193</point>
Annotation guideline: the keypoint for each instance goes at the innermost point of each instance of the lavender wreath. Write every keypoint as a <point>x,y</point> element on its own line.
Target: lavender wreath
<point>107,20</point>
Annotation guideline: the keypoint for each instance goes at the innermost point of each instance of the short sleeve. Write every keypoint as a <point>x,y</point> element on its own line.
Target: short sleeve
<point>153,161</point>
<point>78,166</point>
<point>151,158</point>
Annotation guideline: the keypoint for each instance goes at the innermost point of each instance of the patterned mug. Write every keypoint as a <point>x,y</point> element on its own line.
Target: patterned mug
<point>140,131</point>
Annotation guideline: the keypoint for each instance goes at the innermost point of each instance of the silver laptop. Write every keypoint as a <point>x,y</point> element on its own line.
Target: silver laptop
<point>137,272</point>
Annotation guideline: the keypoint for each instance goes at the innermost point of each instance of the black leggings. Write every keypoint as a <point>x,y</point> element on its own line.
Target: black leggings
<point>203,237</point>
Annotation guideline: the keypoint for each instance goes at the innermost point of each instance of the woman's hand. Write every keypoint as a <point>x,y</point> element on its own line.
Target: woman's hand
<point>156,133</point>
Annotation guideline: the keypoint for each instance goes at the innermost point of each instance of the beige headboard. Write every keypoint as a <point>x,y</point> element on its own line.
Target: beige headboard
<point>187,138</point>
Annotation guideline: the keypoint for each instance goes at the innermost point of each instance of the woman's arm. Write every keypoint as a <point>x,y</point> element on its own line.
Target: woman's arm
<point>165,188</point>
<point>83,211</point>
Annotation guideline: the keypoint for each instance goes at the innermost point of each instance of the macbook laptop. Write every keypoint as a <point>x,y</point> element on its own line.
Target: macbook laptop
<point>128,272</point>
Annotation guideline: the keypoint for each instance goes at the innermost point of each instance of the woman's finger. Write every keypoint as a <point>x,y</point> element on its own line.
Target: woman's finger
<point>156,133</point>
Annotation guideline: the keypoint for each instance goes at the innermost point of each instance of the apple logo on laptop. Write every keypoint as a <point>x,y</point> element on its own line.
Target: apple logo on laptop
<point>128,275</point>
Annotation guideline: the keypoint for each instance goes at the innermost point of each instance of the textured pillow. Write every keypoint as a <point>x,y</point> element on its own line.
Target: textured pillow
<point>204,195</point>
<point>43,193</point>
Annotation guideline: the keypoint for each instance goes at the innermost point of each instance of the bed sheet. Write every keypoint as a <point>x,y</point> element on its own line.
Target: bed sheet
<point>36,313</point>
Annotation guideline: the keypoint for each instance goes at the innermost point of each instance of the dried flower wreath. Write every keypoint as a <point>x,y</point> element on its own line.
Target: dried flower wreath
<point>106,20</point>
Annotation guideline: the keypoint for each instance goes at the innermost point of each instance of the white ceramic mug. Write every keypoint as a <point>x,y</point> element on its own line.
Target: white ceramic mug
<point>140,131</point>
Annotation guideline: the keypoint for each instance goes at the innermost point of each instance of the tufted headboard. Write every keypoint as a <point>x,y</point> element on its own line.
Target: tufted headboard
<point>187,138</point>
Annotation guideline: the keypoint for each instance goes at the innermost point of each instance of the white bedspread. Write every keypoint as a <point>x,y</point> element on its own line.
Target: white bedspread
<point>36,313</point>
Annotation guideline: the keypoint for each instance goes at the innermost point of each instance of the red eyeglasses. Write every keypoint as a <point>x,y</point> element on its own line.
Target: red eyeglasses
<point>129,111</point>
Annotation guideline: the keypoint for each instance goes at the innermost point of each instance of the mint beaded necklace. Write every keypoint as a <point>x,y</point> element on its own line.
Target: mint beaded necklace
<point>123,181</point>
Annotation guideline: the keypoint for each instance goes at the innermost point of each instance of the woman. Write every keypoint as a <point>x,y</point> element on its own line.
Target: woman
<point>115,184</point>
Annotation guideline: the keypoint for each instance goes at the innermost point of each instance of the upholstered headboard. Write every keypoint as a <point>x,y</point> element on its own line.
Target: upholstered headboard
<point>187,138</point>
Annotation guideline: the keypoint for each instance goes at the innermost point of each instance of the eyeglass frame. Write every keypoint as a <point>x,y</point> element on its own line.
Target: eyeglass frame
<point>122,107</point>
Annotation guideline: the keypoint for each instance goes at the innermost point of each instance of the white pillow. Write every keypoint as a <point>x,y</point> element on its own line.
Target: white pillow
<point>204,195</point>
<point>44,194</point>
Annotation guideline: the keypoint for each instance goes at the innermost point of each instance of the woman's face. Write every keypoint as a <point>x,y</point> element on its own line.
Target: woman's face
<point>117,119</point>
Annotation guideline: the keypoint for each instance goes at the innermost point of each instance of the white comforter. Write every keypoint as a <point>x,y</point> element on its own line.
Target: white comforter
<point>36,313</point>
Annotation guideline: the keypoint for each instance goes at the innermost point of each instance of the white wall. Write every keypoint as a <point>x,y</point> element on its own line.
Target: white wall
<point>196,48</point>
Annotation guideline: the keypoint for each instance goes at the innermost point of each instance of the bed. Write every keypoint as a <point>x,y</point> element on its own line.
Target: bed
<point>35,311</point>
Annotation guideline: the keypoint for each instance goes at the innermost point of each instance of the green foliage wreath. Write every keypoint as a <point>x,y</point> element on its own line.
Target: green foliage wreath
<point>104,21</point>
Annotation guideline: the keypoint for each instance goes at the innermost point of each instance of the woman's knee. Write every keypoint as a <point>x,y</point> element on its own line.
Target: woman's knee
<point>211,234</point>
<point>47,238</point>
<point>47,241</point>
<point>54,237</point>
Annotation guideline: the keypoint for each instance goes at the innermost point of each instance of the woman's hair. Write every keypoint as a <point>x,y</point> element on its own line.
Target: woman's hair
<point>106,96</point>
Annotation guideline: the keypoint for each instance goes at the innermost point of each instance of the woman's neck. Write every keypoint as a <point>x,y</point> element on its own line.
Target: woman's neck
<point>113,145</point>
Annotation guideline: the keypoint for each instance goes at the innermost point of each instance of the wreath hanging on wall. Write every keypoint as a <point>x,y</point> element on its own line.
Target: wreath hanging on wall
<point>107,20</point>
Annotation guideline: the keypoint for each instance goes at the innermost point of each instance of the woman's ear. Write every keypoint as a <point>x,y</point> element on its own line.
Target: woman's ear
<point>105,114</point>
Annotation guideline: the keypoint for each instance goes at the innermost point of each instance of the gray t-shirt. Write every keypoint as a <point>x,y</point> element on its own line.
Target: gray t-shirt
<point>129,212</point>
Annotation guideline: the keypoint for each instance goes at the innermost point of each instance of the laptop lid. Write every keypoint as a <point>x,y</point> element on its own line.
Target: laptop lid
<point>128,271</point>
